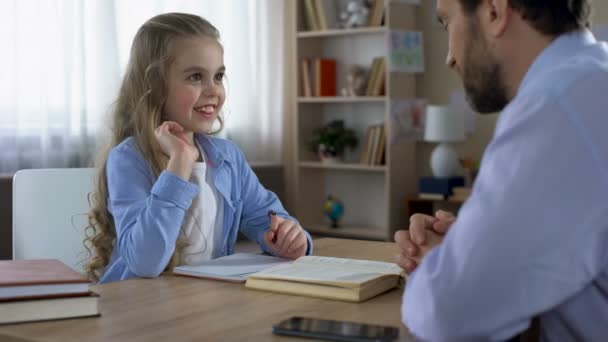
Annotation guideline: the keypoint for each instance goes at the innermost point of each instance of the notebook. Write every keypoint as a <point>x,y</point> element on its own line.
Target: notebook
<point>236,267</point>
<point>39,278</point>
<point>330,278</point>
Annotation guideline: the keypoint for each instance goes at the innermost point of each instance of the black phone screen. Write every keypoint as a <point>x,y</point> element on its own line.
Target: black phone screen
<point>335,330</point>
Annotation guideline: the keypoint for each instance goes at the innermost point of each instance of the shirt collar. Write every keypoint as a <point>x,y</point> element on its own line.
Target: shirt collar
<point>215,157</point>
<point>563,46</point>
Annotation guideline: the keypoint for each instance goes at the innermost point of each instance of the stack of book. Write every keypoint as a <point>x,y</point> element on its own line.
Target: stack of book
<point>374,150</point>
<point>44,289</point>
<point>438,188</point>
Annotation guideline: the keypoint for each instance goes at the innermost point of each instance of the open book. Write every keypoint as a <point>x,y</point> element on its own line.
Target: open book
<point>332,278</point>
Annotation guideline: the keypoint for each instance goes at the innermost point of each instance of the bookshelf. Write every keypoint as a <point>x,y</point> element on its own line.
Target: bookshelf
<point>373,195</point>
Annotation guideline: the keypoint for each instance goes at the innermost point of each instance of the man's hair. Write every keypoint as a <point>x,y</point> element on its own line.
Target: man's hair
<point>550,17</point>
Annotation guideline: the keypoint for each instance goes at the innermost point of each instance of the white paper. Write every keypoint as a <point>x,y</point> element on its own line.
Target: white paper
<point>235,267</point>
<point>331,270</point>
<point>368,265</point>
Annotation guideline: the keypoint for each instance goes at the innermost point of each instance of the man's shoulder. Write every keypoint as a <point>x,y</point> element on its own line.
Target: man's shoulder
<point>584,70</point>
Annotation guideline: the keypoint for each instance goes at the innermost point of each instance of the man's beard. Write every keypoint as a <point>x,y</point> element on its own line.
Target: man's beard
<point>482,77</point>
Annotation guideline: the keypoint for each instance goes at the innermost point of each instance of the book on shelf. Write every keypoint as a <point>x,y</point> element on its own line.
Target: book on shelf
<point>380,87</point>
<point>366,149</point>
<point>21,279</point>
<point>373,73</point>
<point>312,20</point>
<point>380,79</point>
<point>235,267</point>
<point>19,311</point>
<point>376,13</point>
<point>375,144</point>
<point>380,153</point>
<point>326,13</point>
<point>305,76</point>
<point>330,278</point>
<point>325,77</point>
<point>377,78</point>
<point>373,152</point>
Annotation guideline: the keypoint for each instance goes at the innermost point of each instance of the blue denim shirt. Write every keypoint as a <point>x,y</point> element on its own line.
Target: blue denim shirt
<point>148,211</point>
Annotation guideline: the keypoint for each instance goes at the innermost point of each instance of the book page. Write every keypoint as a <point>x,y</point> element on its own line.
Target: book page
<point>320,273</point>
<point>353,264</point>
<point>232,267</point>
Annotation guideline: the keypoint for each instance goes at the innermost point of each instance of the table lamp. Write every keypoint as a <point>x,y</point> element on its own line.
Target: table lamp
<point>444,126</point>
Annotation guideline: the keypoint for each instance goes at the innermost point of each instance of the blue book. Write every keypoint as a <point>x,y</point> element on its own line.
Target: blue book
<point>442,186</point>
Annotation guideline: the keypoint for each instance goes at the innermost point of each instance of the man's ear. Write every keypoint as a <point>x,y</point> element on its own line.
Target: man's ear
<point>495,16</point>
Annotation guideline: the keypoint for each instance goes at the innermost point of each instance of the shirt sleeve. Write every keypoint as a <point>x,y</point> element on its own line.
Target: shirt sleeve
<point>529,237</point>
<point>147,213</point>
<point>257,201</point>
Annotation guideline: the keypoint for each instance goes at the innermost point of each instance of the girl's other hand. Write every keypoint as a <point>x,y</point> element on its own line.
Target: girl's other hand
<point>286,238</point>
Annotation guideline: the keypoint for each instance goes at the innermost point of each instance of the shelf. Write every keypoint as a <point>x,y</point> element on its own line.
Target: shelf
<point>342,32</point>
<point>375,194</point>
<point>347,231</point>
<point>341,99</point>
<point>343,166</point>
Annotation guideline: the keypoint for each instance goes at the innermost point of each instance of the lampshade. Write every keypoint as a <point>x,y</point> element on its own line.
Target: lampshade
<point>443,124</point>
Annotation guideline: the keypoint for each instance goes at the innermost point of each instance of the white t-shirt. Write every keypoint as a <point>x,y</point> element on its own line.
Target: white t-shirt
<point>203,224</point>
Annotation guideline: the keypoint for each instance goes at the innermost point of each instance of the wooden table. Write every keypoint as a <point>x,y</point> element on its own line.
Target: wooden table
<point>174,308</point>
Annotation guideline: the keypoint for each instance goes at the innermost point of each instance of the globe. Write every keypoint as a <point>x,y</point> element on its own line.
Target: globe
<point>334,209</point>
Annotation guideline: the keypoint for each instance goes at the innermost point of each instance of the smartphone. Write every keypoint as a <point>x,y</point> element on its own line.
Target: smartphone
<point>335,330</point>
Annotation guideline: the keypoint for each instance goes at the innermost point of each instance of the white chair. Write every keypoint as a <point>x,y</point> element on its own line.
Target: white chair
<point>50,209</point>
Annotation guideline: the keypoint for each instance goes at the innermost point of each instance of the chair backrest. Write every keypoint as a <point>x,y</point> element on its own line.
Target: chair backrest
<point>50,209</point>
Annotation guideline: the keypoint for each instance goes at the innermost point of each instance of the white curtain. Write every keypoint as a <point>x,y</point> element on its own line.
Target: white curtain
<point>64,60</point>
<point>59,74</point>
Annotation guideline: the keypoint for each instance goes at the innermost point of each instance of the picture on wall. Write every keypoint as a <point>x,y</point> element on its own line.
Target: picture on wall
<point>407,120</point>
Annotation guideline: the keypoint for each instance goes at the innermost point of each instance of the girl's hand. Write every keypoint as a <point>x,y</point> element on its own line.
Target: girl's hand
<point>174,143</point>
<point>286,238</point>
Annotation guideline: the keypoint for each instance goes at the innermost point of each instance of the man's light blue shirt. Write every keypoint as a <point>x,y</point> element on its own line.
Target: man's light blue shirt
<point>532,240</point>
<point>148,211</point>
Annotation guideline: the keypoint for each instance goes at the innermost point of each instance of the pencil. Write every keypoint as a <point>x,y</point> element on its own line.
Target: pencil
<point>272,213</point>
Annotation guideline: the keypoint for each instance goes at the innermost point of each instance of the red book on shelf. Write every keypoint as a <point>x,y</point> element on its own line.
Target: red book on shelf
<point>41,278</point>
<point>325,77</point>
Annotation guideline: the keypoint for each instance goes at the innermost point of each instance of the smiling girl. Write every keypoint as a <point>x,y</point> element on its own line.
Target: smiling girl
<point>168,192</point>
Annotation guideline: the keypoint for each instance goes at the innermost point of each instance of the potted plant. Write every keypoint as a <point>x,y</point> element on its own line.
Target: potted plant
<point>329,141</point>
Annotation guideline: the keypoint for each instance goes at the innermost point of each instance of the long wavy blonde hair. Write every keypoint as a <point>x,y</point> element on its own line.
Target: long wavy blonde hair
<point>137,112</point>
